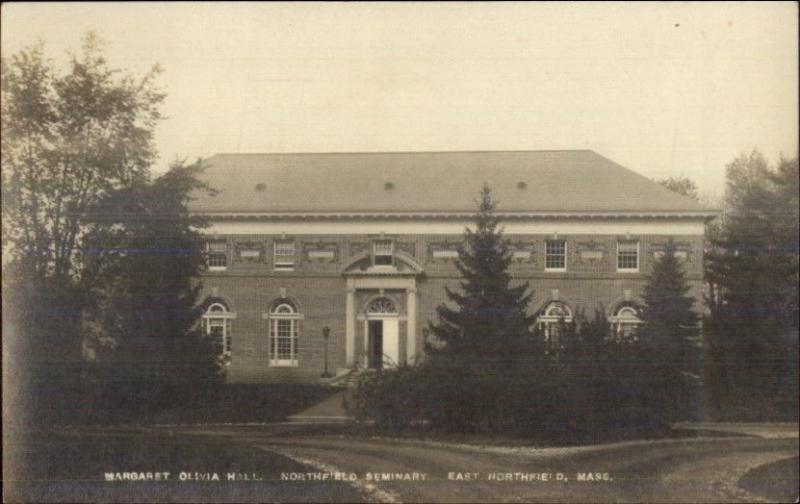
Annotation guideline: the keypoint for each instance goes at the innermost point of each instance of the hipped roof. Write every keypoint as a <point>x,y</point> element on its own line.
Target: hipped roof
<point>525,182</point>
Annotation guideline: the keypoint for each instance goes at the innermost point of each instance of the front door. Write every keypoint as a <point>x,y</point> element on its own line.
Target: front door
<point>383,342</point>
<point>375,344</point>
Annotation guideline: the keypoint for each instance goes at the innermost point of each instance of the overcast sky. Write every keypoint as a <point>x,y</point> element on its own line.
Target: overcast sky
<point>664,89</point>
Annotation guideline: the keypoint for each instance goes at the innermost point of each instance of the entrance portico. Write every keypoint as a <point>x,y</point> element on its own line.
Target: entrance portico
<point>381,314</point>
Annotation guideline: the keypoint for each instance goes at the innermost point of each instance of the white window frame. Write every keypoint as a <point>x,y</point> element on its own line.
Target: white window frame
<point>281,262</point>
<point>638,256</point>
<point>548,320</point>
<point>287,314</point>
<point>546,255</point>
<point>209,253</point>
<point>220,317</point>
<point>375,245</point>
<point>617,322</point>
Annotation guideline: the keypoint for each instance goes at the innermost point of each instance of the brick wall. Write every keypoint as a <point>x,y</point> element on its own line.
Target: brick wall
<point>250,285</point>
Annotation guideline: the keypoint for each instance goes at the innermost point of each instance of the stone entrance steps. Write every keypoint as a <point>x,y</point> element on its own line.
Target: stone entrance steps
<point>341,378</point>
<point>329,410</point>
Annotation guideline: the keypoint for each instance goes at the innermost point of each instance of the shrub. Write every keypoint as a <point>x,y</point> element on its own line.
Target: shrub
<point>391,398</point>
<point>617,391</point>
<point>451,396</point>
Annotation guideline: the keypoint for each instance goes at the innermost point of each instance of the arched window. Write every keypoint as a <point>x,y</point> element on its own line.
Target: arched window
<point>217,322</point>
<point>551,323</point>
<point>624,324</point>
<point>283,334</point>
<point>381,306</point>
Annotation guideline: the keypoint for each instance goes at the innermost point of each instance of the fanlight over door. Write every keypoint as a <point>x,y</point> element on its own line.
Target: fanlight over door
<point>382,306</point>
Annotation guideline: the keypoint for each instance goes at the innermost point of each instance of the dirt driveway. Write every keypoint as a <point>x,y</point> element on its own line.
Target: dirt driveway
<point>678,470</point>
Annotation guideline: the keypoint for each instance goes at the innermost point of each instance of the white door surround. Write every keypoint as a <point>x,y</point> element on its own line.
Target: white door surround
<point>391,326</point>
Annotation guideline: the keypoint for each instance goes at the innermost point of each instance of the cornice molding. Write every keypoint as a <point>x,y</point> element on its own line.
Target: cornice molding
<point>278,216</point>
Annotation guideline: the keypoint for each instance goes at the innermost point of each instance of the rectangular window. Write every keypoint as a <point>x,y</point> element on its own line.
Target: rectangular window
<point>628,255</point>
<point>555,255</point>
<point>382,252</point>
<point>217,255</point>
<point>284,255</point>
<point>283,342</point>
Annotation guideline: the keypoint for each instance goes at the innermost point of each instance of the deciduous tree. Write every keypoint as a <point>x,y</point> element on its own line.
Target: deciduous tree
<point>681,185</point>
<point>70,137</point>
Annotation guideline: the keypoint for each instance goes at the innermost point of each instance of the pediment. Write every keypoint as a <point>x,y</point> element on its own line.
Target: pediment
<point>404,265</point>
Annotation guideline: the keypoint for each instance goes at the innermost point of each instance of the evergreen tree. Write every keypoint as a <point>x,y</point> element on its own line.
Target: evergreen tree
<point>757,263</point>
<point>489,320</point>
<point>752,272</point>
<point>146,258</point>
<point>669,321</point>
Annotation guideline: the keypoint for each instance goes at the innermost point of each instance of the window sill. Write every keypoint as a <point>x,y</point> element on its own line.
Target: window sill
<point>564,270</point>
<point>627,271</point>
<point>217,268</point>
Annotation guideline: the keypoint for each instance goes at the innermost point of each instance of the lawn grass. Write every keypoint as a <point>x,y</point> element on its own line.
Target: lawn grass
<point>120,404</point>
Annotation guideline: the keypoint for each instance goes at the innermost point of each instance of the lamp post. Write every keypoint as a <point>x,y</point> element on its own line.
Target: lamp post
<point>326,331</point>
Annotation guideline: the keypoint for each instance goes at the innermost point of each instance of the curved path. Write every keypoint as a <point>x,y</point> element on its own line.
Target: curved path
<point>676,470</point>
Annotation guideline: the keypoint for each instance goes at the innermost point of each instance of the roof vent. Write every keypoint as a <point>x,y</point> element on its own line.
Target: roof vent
<point>388,186</point>
<point>522,185</point>
<point>261,186</point>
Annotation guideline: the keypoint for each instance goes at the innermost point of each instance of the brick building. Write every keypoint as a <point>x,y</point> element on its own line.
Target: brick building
<point>361,246</point>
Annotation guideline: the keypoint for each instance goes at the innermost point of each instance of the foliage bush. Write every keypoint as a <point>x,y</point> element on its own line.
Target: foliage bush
<point>390,398</point>
<point>615,391</point>
<point>488,372</point>
<point>99,399</point>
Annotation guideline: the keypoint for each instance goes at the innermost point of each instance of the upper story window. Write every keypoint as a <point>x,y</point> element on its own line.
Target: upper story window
<point>382,251</point>
<point>284,255</point>
<point>628,255</point>
<point>216,255</point>
<point>555,255</point>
